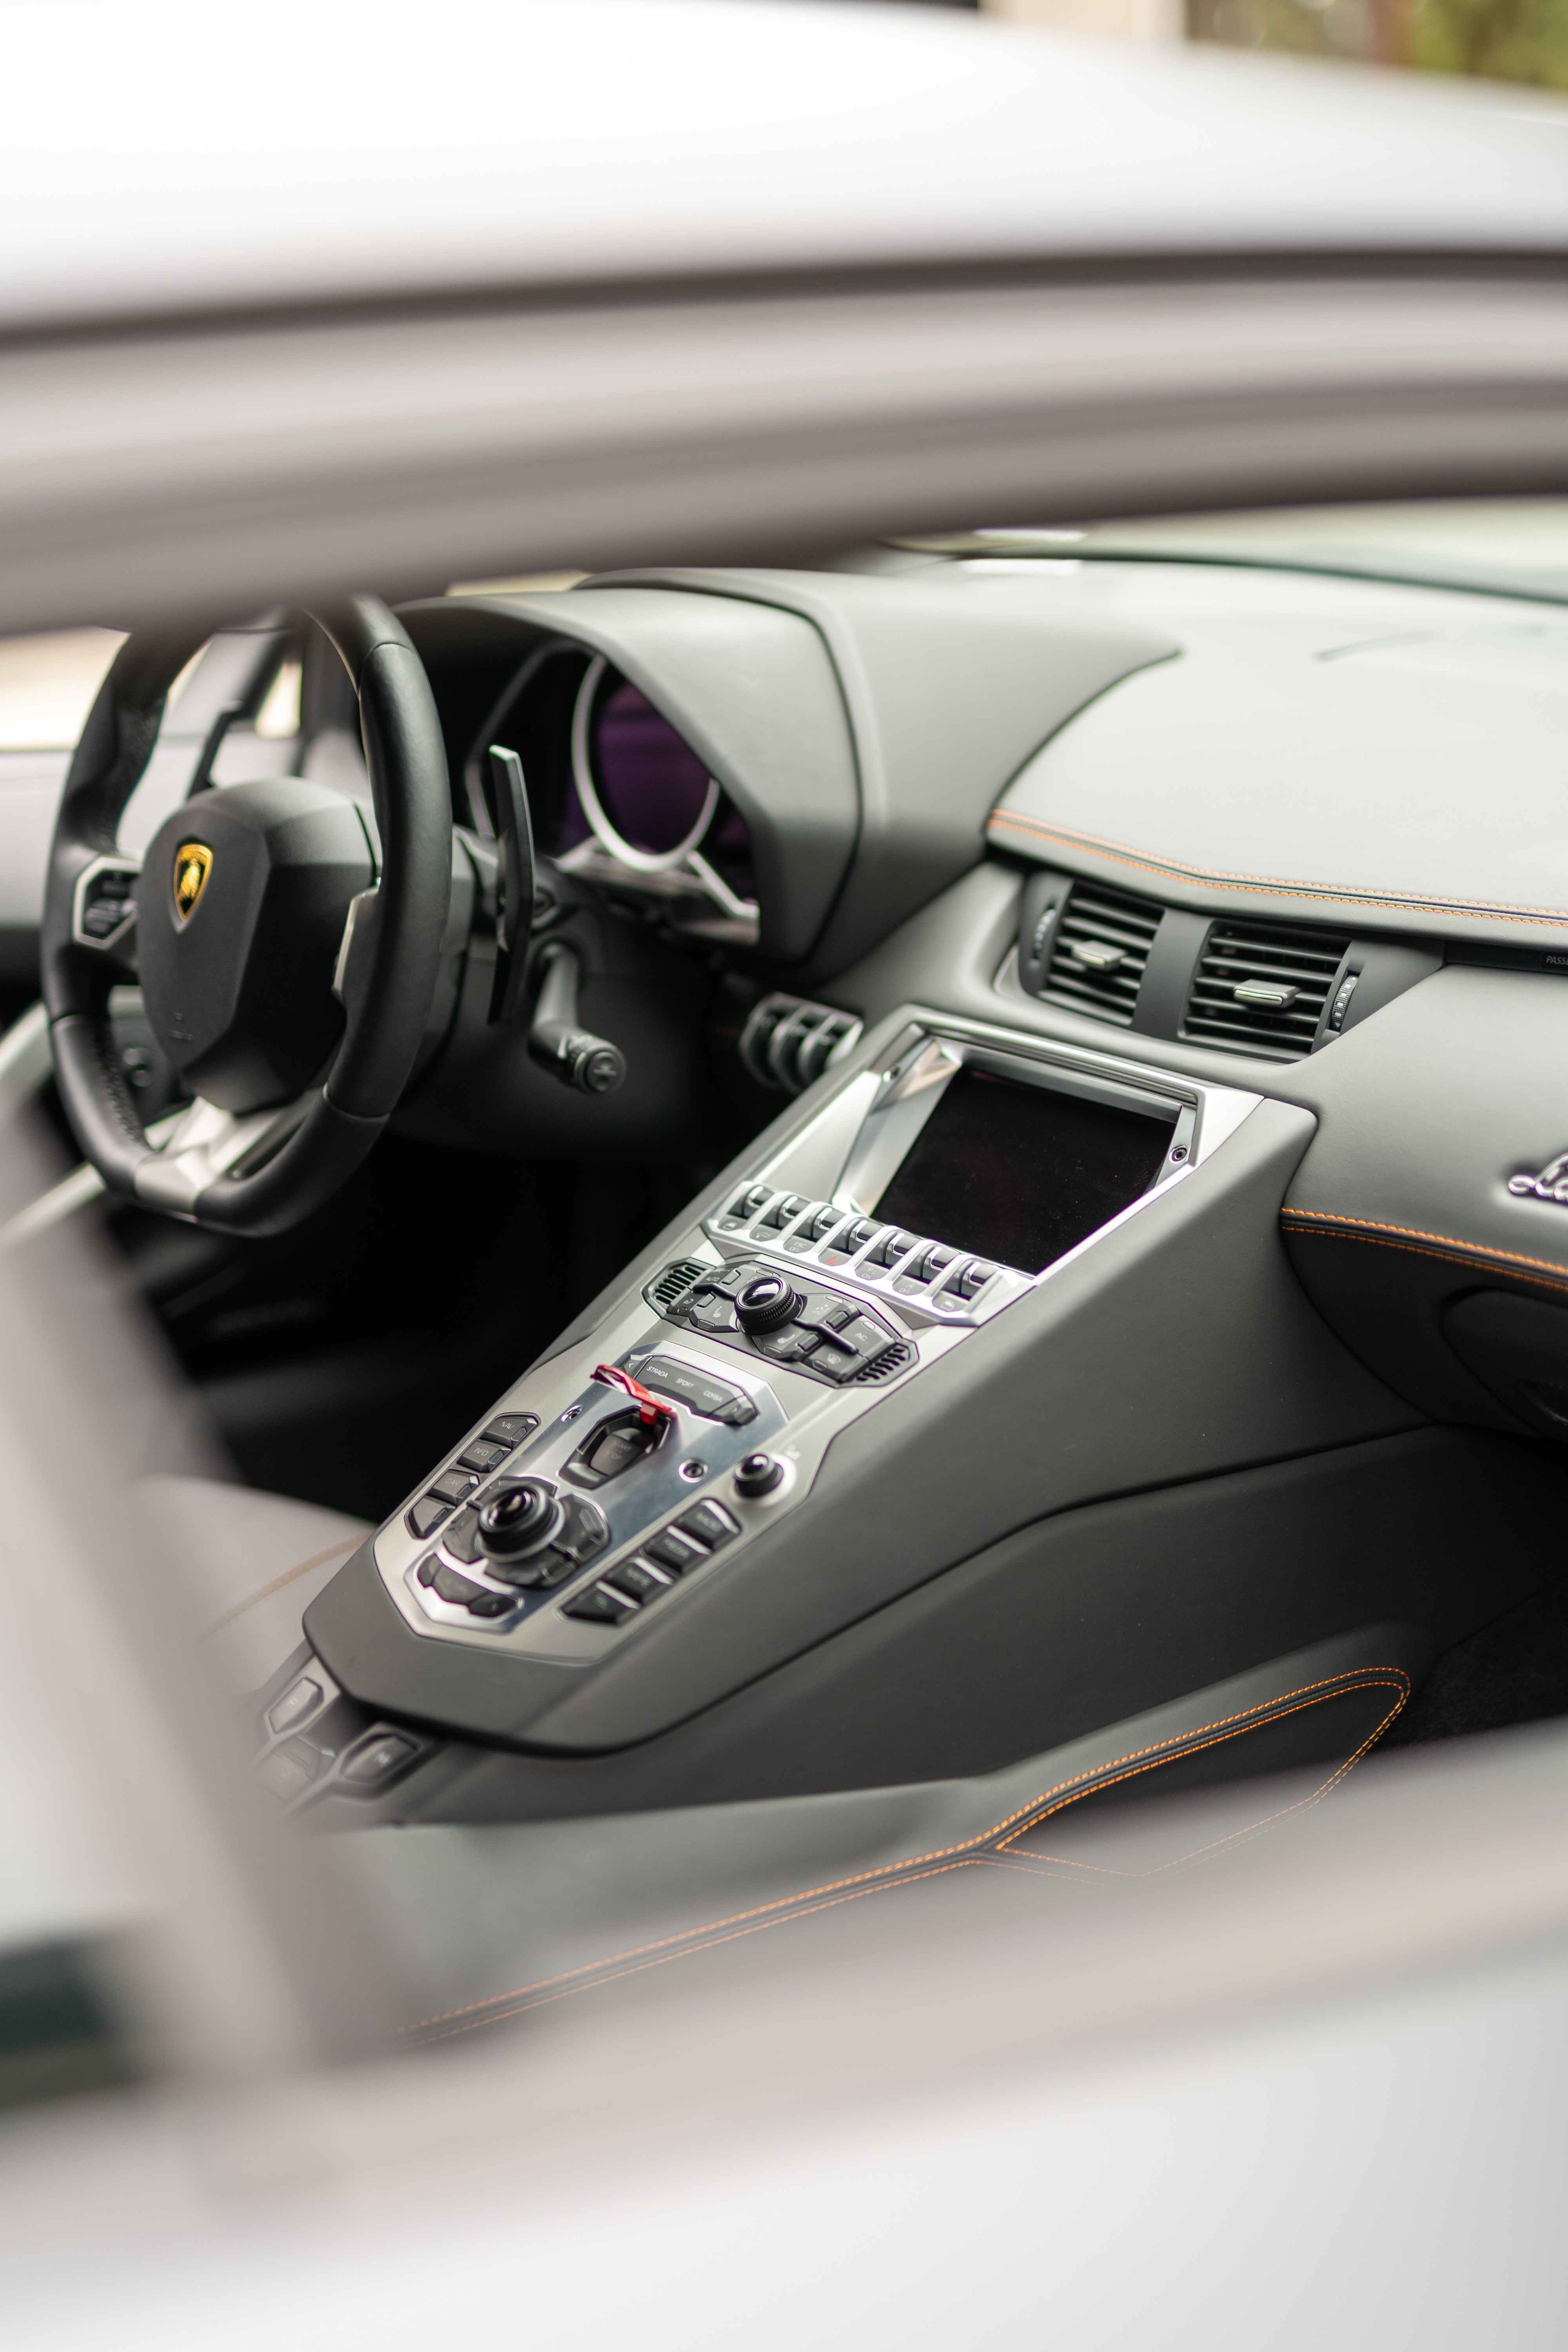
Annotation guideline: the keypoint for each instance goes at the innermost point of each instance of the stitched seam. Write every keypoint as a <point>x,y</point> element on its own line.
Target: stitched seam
<point>1446,1258</point>
<point>262,1591</point>
<point>1271,885</point>
<point>564,1991</point>
<point>1450,1245</point>
<point>1390,1677</point>
<point>1028,1865</point>
<point>1027,1828</point>
<point>895,1873</point>
<point>1270,1711</point>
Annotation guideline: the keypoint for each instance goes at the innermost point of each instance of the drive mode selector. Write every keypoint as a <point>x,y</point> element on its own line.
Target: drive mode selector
<point>765,1303</point>
<point>519,1520</point>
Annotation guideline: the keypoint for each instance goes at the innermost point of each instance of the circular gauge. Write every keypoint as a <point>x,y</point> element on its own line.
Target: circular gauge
<point>646,796</point>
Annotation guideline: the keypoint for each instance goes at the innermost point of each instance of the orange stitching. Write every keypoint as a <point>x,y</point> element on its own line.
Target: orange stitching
<point>887,1873</point>
<point>1449,1257</point>
<point>1474,1252</point>
<point>1270,885</point>
<point>1392,1676</point>
<point>757,1927</point>
<point>316,1560</point>
<point>984,1837</point>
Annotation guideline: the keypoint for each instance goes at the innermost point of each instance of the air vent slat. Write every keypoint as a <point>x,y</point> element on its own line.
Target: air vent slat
<point>1101,945</point>
<point>1255,958</point>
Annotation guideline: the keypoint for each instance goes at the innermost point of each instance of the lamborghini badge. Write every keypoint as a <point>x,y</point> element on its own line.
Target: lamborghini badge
<point>193,863</point>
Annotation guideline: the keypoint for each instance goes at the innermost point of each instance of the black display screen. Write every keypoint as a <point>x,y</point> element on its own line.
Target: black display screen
<point>1022,1173</point>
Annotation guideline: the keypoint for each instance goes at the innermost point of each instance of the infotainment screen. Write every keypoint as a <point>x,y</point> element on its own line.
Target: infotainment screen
<point>1022,1173</point>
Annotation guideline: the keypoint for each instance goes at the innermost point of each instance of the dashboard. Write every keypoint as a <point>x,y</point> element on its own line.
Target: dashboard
<point>1148,1252</point>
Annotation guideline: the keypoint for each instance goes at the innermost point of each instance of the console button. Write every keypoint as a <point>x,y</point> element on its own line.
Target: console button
<point>820,1217</point>
<point>731,1278</point>
<point>427,1512</point>
<point>975,1277</point>
<point>600,1605</point>
<point>450,1586</point>
<point>618,1446</point>
<point>454,1485</point>
<point>893,1244</point>
<point>492,1605</point>
<point>862,1335</point>
<point>637,1581</point>
<point>510,1429</point>
<point>583,1532</point>
<point>285,1774</point>
<point>787,1206</point>
<point>710,1310</point>
<point>715,1399</point>
<point>378,1759</point>
<point>294,1706</point>
<point>482,1455</point>
<point>836,1363</point>
<point>759,1474</point>
<point>427,1568</point>
<point>536,1573</point>
<point>837,1317</point>
<point>462,1537</point>
<point>858,1235</point>
<point>674,1552</point>
<point>786,1347</point>
<point>709,1524</point>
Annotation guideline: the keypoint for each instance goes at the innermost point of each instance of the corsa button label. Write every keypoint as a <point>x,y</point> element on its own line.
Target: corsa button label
<point>193,863</point>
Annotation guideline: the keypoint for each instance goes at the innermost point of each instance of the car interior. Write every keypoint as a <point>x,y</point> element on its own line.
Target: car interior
<point>835,1219</point>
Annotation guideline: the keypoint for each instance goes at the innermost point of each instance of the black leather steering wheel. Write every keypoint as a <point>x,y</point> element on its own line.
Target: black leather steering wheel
<point>287,952</point>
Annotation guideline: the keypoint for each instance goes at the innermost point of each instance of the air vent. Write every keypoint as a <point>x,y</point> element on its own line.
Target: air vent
<point>666,1287</point>
<point>885,1362</point>
<point>1260,988</point>
<point>1098,956</point>
<point>787,1042</point>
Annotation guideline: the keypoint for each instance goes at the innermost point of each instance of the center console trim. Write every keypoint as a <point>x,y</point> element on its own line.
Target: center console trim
<point>838,1159</point>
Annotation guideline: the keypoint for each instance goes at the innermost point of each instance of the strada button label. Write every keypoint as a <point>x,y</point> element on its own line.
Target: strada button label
<point>193,863</point>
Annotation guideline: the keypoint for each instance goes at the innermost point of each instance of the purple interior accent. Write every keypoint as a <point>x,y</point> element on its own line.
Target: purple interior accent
<point>651,786</point>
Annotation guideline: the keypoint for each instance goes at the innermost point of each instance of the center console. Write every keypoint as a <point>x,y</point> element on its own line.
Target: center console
<point>946,1179</point>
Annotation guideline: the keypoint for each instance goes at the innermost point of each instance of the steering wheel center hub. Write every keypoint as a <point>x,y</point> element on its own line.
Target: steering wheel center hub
<point>240,915</point>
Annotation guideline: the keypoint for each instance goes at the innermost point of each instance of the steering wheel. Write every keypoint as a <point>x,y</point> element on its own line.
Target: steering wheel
<point>287,950</point>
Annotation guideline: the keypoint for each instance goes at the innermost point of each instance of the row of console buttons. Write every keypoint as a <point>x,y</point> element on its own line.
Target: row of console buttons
<point>909,1262</point>
<point>656,1569</point>
<point>501,1437</point>
<point>580,1537</point>
<point>826,1334</point>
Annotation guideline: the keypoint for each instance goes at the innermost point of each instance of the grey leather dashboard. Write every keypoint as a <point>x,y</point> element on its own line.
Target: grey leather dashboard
<point>1386,757</point>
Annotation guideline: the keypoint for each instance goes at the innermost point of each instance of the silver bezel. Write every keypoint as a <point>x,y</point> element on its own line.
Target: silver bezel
<point>639,861</point>
<point>112,862</point>
<point>636,1505</point>
<point>828,1159</point>
<point>856,1145</point>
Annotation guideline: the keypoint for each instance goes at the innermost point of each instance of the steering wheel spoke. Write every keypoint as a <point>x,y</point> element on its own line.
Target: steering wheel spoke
<point>103,907</point>
<point>207,1142</point>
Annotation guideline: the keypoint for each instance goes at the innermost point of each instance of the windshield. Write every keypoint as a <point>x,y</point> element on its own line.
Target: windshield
<point>1511,546</point>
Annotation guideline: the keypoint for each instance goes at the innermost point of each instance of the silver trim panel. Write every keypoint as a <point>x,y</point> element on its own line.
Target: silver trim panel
<point>842,1159</point>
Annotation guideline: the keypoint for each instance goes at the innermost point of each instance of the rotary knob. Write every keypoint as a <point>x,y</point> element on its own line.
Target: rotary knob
<point>519,1518</point>
<point>766,1302</point>
<point>757,1475</point>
